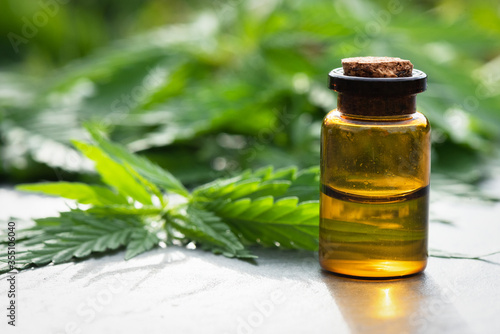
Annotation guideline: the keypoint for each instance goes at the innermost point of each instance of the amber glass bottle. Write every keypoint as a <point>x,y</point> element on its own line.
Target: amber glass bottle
<point>375,168</point>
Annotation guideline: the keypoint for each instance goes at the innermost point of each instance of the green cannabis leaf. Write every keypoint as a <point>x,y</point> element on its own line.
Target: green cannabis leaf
<point>77,234</point>
<point>139,165</point>
<point>141,205</point>
<point>82,193</point>
<point>206,227</point>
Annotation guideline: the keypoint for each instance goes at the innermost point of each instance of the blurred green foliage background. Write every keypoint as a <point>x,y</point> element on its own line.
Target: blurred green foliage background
<point>208,88</point>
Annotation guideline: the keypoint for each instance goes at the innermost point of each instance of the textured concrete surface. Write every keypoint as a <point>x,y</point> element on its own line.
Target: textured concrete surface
<point>178,290</point>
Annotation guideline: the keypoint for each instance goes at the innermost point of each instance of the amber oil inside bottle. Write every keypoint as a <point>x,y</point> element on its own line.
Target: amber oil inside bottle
<point>375,155</point>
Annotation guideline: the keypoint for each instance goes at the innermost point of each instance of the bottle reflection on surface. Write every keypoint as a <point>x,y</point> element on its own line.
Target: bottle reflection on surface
<point>392,306</point>
<point>410,305</point>
<point>387,308</point>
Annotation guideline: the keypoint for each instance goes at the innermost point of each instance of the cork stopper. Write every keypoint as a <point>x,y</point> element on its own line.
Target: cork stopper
<point>377,67</point>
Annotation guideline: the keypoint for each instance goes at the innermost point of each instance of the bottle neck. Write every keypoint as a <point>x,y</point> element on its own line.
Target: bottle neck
<point>379,107</point>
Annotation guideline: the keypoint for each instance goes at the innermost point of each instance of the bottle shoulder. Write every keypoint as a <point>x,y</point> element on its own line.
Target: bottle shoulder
<point>416,120</point>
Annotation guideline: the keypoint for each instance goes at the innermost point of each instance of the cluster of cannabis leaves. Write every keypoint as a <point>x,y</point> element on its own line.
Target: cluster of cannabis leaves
<point>143,206</point>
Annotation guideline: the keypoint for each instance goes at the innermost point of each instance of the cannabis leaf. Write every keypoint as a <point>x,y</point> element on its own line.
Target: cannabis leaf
<point>78,234</point>
<point>82,193</point>
<point>284,222</point>
<point>142,166</point>
<point>206,227</point>
<point>114,174</point>
<point>130,211</point>
<point>141,240</point>
<point>263,182</point>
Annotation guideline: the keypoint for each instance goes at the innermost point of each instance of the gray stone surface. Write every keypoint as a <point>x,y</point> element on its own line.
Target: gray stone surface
<point>178,290</point>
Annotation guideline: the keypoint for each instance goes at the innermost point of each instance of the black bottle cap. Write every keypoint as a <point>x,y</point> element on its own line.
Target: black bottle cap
<point>366,86</point>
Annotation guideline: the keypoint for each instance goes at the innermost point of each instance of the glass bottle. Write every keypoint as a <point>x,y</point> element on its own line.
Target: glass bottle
<point>375,169</point>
